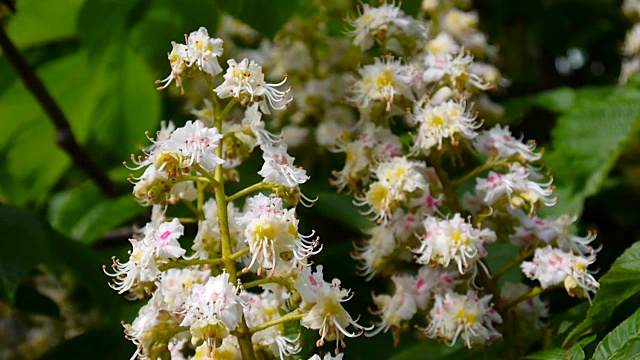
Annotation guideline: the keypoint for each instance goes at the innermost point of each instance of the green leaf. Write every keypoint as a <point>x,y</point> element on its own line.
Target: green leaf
<point>22,247</point>
<point>105,217</point>
<point>616,344</point>
<point>130,108</point>
<point>620,283</point>
<point>588,140</point>
<point>101,22</point>
<point>574,353</point>
<point>340,208</point>
<point>559,100</point>
<point>67,207</point>
<point>267,17</point>
<point>37,22</point>
<point>33,163</point>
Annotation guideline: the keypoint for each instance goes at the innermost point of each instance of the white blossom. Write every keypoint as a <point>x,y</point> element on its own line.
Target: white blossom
<point>386,20</point>
<point>443,43</point>
<point>398,308</point>
<point>212,309</point>
<point>444,121</point>
<point>552,266</point>
<point>272,235</point>
<point>452,69</point>
<point>382,81</point>
<point>178,58</point>
<point>278,167</point>
<point>196,144</point>
<point>515,189</point>
<point>498,143</point>
<point>466,316</point>
<point>165,239</point>
<point>552,231</point>
<point>452,239</point>
<point>204,51</point>
<point>329,317</point>
<point>261,309</point>
<point>245,81</point>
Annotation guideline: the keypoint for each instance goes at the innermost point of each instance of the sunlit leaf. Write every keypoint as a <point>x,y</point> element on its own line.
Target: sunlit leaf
<point>129,109</point>
<point>37,22</point>
<point>620,283</point>
<point>34,163</point>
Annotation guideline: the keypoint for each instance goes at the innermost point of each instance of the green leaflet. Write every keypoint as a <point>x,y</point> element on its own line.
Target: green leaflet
<point>574,353</point>
<point>620,283</point>
<point>616,344</point>
<point>588,139</point>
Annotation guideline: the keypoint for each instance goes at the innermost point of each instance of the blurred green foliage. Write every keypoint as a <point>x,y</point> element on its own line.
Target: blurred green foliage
<point>99,60</point>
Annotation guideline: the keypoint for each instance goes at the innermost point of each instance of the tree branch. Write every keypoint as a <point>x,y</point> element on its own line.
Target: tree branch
<point>64,136</point>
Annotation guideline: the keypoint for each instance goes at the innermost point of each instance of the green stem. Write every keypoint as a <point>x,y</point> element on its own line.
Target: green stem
<point>200,204</point>
<point>194,178</point>
<point>226,110</point>
<point>536,291</point>
<point>239,254</point>
<point>272,280</point>
<point>479,170</point>
<point>205,173</point>
<point>243,333</point>
<point>292,316</point>
<point>181,263</point>
<point>184,220</point>
<point>515,261</point>
<point>246,191</point>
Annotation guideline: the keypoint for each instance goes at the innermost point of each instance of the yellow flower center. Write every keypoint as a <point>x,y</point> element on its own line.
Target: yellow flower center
<point>332,307</point>
<point>268,232</point>
<point>469,318</point>
<point>378,194</point>
<point>384,79</point>
<point>397,174</point>
<point>437,121</point>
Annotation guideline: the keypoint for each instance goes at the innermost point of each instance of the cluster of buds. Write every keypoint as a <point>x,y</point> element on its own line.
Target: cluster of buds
<point>434,216</point>
<point>247,272</point>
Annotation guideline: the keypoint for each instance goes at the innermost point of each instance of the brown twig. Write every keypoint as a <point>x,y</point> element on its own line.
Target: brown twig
<point>64,136</point>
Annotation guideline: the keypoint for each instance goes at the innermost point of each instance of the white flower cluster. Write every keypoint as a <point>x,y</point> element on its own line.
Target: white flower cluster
<point>407,161</point>
<point>203,301</point>
<point>631,46</point>
<point>200,50</point>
